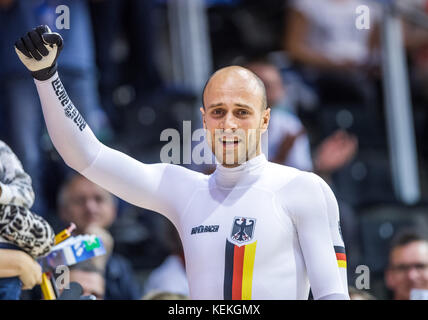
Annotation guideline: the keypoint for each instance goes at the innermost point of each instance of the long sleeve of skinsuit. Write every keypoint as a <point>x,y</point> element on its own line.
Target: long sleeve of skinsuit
<point>18,225</point>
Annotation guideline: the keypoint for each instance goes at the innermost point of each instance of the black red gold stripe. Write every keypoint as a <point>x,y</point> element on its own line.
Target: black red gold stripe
<point>340,256</point>
<point>238,273</point>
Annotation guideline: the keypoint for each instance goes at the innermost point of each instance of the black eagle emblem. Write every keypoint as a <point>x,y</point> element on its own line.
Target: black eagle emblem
<point>243,229</point>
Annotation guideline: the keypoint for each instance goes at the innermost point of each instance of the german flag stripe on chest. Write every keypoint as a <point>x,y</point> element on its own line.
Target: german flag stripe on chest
<point>238,273</point>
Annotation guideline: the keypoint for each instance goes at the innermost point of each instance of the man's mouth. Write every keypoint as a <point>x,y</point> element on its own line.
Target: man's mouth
<point>229,141</point>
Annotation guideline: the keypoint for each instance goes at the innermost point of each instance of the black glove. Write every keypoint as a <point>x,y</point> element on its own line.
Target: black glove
<point>38,50</point>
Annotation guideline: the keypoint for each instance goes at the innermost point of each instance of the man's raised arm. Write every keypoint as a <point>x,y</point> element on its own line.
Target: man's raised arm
<point>74,140</point>
<point>144,185</point>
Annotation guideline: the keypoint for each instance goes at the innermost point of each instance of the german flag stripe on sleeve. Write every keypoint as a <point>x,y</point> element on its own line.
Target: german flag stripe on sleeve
<point>238,273</point>
<point>340,256</point>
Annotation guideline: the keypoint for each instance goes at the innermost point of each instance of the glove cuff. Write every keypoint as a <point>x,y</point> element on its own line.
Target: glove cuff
<point>45,73</point>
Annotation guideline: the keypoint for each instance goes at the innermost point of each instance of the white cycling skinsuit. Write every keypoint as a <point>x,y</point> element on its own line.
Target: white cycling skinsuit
<point>256,231</point>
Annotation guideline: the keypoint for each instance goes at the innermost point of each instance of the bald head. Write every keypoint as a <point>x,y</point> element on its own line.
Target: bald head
<point>236,80</point>
<point>235,108</point>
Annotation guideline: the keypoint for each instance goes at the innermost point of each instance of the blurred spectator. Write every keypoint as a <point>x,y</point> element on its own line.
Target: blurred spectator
<point>90,278</point>
<point>170,276</point>
<point>17,269</point>
<point>20,229</point>
<point>288,142</point>
<point>408,263</point>
<point>324,43</point>
<point>93,209</point>
<point>332,54</point>
<point>86,204</point>
<point>356,294</point>
<point>342,64</point>
<point>19,104</point>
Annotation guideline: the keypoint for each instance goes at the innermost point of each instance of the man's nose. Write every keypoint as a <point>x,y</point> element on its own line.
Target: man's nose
<point>413,274</point>
<point>91,205</point>
<point>230,122</point>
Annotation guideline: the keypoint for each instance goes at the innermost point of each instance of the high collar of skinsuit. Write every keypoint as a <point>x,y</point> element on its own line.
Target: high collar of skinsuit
<point>241,175</point>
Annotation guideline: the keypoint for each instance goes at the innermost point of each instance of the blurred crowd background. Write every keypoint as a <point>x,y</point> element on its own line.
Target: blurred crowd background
<point>136,67</point>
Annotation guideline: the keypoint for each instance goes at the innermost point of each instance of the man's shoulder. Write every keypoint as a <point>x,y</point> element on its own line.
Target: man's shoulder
<point>293,181</point>
<point>289,176</point>
<point>183,173</point>
<point>306,194</point>
<point>180,173</point>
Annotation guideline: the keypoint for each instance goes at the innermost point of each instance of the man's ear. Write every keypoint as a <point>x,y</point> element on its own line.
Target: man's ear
<point>203,117</point>
<point>265,120</point>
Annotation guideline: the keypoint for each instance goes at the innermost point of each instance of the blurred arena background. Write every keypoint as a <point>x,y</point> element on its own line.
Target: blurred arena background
<point>135,68</point>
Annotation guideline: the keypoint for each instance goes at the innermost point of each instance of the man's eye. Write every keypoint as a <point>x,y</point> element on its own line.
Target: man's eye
<point>217,112</point>
<point>242,112</point>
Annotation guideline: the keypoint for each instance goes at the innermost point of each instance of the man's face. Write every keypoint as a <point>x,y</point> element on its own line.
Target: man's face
<point>408,269</point>
<point>92,283</point>
<point>87,204</point>
<point>234,116</point>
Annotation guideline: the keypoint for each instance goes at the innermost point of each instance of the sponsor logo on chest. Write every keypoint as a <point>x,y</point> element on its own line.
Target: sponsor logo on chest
<point>203,229</point>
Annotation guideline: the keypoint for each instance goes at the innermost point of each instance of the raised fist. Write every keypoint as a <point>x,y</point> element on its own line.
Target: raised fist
<point>38,50</point>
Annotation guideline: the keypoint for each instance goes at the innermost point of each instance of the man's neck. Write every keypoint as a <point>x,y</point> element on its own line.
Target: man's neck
<point>244,174</point>
<point>249,157</point>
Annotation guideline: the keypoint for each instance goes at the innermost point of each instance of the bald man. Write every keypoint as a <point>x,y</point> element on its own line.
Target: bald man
<point>252,229</point>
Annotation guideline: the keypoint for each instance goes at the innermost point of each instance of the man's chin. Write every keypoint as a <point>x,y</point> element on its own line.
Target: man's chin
<point>231,159</point>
